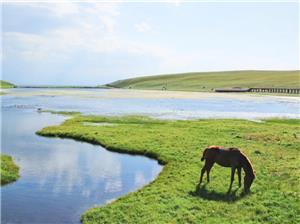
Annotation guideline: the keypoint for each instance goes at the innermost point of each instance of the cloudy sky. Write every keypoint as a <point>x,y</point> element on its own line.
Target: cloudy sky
<point>75,43</point>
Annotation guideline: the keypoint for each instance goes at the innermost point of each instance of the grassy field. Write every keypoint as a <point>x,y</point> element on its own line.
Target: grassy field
<point>6,85</point>
<point>272,146</point>
<point>9,170</point>
<point>207,81</point>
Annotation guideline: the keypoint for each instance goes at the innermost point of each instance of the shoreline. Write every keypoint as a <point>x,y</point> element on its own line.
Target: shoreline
<point>148,94</point>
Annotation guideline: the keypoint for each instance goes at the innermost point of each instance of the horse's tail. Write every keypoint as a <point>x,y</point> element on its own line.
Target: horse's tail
<point>203,155</point>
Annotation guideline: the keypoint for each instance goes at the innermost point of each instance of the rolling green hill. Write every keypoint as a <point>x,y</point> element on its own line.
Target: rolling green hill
<point>207,81</point>
<point>6,85</point>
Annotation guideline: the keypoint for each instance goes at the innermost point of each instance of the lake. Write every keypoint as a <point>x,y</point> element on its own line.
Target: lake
<point>62,178</point>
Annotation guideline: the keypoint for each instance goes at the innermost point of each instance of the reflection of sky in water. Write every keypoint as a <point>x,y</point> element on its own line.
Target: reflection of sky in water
<point>60,179</point>
<point>99,102</point>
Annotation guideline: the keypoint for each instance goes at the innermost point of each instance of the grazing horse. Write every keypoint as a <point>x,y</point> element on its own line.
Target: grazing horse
<point>231,157</point>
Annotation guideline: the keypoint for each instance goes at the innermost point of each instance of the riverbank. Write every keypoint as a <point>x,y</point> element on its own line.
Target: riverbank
<point>272,146</point>
<point>145,94</point>
<point>9,170</point>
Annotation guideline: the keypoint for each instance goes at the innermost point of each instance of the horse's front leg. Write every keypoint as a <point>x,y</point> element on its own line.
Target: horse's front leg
<point>239,172</point>
<point>232,178</point>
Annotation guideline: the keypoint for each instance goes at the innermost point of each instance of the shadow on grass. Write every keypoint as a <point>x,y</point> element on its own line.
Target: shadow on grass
<point>202,192</point>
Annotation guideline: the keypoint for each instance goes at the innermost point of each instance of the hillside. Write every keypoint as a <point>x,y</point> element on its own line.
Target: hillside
<point>6,85</point>
<point>207,81</point>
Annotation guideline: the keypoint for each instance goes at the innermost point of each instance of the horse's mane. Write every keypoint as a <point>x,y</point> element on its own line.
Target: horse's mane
<point>246,164</point>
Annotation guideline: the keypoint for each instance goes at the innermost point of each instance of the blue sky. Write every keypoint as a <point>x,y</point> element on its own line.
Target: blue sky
<point>95,43</point>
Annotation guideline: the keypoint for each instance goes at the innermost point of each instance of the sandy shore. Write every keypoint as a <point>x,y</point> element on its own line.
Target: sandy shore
<point>142,94</point>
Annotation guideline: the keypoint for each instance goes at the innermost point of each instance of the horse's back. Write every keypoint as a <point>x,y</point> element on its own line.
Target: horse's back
<point>228,157</point>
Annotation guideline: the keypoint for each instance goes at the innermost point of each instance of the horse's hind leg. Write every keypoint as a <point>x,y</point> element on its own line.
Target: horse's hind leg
<point>202,172</point>
<point>207,167</point>
<point>231,179</point>
<point>239,172</point>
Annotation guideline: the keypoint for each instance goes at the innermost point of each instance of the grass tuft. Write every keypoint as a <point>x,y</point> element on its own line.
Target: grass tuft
<point>9,170</point>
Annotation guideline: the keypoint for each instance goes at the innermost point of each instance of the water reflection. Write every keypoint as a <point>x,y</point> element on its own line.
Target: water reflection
<point>60,179</point>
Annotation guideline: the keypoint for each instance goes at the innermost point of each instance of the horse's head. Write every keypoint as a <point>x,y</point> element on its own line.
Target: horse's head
<point>248,180</point>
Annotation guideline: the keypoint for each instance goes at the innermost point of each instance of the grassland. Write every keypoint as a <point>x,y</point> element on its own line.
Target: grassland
<point>208,81</point>
<point>6,85</point>
<point>272,145</point>
<point>9,170</point>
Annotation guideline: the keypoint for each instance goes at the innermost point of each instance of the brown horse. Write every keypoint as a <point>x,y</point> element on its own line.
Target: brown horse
<point>231,157</point>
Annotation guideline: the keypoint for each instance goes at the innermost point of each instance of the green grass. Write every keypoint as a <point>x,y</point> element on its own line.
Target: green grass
<point>272,146</point>
<point>9,170</point>
<point>207,81</point>
<point>66,113</point>
<point>6,85</point>
<point>66,87</point>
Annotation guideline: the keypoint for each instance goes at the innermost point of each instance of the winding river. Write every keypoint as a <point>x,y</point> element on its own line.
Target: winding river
<point>61,178</point>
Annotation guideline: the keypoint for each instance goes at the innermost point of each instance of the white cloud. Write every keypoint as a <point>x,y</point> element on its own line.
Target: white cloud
<point>59,9</point>
<point>92,30</point>
<point>143,27</point>
<point>139,179</point>
<point>176,2</point>
<point>62,9</point>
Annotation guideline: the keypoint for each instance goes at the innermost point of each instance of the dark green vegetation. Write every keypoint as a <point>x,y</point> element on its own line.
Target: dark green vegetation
<point>207,81</point>
<point>6,85</point>
<point>9,170</point>
<point>272,146</point>
<point>66,113</point>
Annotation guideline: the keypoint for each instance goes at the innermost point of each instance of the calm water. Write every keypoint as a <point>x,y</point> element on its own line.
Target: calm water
<point>62,178</point>
<point>165,106</point>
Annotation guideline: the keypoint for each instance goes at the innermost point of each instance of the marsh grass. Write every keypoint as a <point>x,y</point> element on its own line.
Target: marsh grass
<point>174,196</point>
<point>9,170</point>
<point>66,113</point>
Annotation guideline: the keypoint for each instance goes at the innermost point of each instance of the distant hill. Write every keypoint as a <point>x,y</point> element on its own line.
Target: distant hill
<point>6,85</point>
<point>207,81</point>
